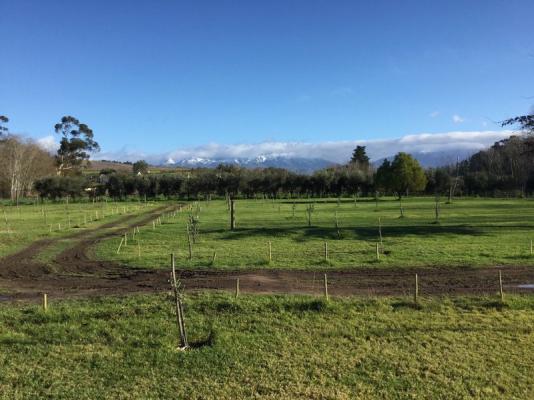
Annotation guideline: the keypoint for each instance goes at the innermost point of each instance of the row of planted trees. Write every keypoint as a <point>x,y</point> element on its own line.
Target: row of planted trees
<point>223,181</point>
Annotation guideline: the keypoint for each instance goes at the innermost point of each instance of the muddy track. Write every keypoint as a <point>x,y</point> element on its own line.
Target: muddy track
<point>74,273</point>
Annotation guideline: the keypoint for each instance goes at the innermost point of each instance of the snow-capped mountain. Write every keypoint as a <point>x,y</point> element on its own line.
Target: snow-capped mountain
<point>310,165</point>
<point>296,164</point>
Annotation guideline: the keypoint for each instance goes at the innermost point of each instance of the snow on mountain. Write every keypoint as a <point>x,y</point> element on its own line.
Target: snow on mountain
<point>296,164</point>
<point>309,165</point>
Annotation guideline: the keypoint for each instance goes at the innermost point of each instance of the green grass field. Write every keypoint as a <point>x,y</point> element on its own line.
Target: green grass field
<point>470,232</point>
<point>22,225</point>
<point>269,347</point>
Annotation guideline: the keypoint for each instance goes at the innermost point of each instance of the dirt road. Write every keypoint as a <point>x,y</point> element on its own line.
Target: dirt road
<point>73,273</point>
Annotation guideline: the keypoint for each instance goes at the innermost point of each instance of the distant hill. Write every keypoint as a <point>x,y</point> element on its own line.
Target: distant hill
<point>434,159</point>
<point>295,164</point>
<point>97,165</point>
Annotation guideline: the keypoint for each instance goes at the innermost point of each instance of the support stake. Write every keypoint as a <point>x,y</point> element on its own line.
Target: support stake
<point>179,308</point>
<point>326,287</point>
<point>416,292</point>
<point>500,286</point>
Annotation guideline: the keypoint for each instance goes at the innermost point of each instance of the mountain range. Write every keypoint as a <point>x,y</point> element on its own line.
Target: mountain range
<point>309,165</point>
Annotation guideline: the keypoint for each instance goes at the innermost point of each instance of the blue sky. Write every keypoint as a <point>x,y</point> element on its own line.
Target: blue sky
<point>156,76</point>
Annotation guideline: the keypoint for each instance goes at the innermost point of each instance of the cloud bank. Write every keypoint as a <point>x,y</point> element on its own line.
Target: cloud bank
<point>334,151</point>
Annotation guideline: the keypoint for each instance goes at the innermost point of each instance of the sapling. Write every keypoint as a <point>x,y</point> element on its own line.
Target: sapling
<point>309,211</point>
<point>437,208</point>
<point>193,226</point>
<point>337,226</point>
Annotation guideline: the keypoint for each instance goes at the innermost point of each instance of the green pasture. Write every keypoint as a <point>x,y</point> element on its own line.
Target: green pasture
<point>269,347</point>
<point>468,232</point>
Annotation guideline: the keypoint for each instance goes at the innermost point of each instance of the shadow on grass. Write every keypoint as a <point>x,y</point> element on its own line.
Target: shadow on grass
<point>406,305</point>
<point>344,200</point>
<point>480,303</point>
<point>209,341</point>
<point>315,305</point>
<point>363,233</point>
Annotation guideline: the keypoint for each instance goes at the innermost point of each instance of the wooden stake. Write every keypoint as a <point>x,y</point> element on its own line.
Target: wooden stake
<point>213,258</point>
<point>179,308</point>
<point>125,239</point>
<point>377,252</point>
<point>45,301</point>
<point>138,248</point>
<point>270,251</point>
<point>232,214</point>
<point>531,249</point>
<point>416,292</point>
<point>326,288</point>
<point>500,286</point>
<point>190,245</point>
<point>326,251</point>
<point>380,232</point>
<point>237,288</point>
<point>120,244</point>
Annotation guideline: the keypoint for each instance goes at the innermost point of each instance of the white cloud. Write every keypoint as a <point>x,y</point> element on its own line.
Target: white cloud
<point>48,143</point>
<point>433,114</point>
<point>457,119</point>
<point>335,151</point>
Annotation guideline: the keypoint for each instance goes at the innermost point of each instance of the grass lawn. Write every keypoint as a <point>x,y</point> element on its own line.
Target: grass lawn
<point>20,226</point>
<point>277,347</point>
<point>470,232</point>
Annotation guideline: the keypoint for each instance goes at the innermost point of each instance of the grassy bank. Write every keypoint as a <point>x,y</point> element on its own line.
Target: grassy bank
<point>469,232</point>
<point>269,347</point>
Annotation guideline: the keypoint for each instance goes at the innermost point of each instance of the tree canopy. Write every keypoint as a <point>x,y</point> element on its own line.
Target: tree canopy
<point>403,175</point>
<point>140,167</point>
<point>3,120</point>
<point>359,156</point>
<point>525,122</point>
<point>76,144</point>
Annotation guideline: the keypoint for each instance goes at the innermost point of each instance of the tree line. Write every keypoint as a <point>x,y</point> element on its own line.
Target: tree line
<point>506,168</point>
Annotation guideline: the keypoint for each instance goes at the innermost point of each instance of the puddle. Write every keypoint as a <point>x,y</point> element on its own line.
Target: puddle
<point>526,286</point>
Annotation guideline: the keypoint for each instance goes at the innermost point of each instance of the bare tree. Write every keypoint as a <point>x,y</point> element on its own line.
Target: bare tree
<point>21,163</point>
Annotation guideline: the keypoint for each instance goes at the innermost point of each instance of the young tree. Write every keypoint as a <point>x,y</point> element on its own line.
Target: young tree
<point>359,156</point>
<point>76,145</point>
<point>3,129</point>
<point>140,167</point>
